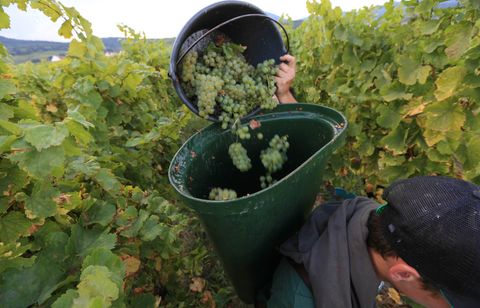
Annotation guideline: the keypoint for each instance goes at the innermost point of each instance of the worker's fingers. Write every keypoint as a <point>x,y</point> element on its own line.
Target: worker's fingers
<point>288,58</point>
<point>282,73</point>
<point>284,67</point>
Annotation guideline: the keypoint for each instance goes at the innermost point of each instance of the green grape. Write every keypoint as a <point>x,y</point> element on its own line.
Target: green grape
<point>222,194</point>
<point>239,157</point>
<point>267,180</point>
<point>259,136</point>
<point>242,132</point>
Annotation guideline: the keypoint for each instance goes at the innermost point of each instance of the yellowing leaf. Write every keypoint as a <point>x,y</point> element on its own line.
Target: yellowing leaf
<point>444,116</point>
<point>433,137</point>
<point>4,19</point>
<point>410,71</point>
<point>395,296</point>
<point>448,81</point>
<point>49,9</point>
<point>457,39</point>
<point>66,29</point>
<point>77,49</point>
<point>132,265</point>
<point>414,107</point>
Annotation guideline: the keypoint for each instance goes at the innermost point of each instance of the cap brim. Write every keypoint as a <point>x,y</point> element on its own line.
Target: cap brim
<point>459,301</point>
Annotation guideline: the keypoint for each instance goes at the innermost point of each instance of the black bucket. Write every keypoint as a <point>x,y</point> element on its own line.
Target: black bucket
<point>241,22</point>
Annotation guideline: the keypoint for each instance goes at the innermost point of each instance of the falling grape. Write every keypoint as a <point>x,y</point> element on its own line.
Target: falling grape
<point>239,157</point>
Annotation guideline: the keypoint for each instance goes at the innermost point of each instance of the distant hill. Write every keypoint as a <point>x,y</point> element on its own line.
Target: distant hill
<point>26,50</point>
<point>23,47</point>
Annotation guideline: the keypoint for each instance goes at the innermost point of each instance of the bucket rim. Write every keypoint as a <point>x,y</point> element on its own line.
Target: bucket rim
<point>184,33</point>
<point>338,133</point>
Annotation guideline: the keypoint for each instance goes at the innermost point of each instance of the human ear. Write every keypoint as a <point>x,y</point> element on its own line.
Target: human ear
<point>403,272</point>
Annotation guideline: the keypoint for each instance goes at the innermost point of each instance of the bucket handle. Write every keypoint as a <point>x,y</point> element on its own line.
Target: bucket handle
<point>228,21</point>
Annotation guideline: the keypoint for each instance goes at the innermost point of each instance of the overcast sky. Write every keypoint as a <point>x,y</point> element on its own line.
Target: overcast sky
<point>158,19</point>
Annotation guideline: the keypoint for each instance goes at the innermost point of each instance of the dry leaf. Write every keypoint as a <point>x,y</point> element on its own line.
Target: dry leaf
<point>158,264</point>
<point>52,108</point>
<point>132,265</point>
<point>254,124</point>
<point>393,294</point>
<point>63,199</point>
<point>417,110</point>
<point>207,298</point>
<point>198,284</point>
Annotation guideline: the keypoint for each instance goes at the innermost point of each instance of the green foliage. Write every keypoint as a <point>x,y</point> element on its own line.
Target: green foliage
<point>87,216</point>
<point>408,81</point>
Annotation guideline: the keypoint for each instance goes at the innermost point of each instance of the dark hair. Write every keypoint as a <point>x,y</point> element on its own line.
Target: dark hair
<point>378,242</point>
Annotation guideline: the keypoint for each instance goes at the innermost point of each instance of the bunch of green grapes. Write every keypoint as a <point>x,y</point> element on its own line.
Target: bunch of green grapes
<point>188,67</point>
<point>273,158</point>
<point>207,87</point>
<point>239,157</point>
<point>225,84</point>
<point>222,194</point>
<point>275,155</point>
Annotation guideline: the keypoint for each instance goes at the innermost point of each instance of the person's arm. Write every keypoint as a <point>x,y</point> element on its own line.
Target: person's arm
<point>284,79</point>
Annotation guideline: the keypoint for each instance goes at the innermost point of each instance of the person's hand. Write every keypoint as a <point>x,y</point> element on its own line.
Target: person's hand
<point>284,79</point>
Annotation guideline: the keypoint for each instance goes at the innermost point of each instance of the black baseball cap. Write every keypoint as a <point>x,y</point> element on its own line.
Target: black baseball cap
<point>433,223</point>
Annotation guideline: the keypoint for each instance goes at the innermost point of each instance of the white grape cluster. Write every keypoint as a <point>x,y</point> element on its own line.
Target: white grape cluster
<point>207,87</point>
<point>239,157</point>
<point>188,68</point>
<point>222,194</point>
<point>273,158</point>
<point>225,84</point>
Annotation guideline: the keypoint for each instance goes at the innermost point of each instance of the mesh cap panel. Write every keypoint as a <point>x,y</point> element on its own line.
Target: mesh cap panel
<point>433,223</point>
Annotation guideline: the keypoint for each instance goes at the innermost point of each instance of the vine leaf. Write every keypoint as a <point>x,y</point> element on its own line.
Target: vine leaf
<point>43,136</point>
<point>7,87</point>
<point>448,81</point>
<point>39,164</point>
<point>83,241</point>
<point>12,226</point>
<point>410,71</point>
<point>41,203</point>
<point>457,39</point>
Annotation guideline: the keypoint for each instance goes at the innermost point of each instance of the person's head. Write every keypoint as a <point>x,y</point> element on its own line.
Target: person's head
<point>426,240</point>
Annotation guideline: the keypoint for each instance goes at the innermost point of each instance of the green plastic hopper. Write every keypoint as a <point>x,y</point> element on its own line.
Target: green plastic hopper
<point>247,231</point>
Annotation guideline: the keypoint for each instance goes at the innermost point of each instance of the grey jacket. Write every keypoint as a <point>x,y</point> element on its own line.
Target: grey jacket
<point>332,247</point>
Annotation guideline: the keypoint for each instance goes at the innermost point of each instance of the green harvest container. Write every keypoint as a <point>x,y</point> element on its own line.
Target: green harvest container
<point>247,231</point>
